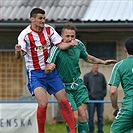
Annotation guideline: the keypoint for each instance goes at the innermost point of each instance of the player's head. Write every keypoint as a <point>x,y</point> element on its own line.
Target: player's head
<point>68,32</point>
<point>129,45</point>
<point>37,18</point>
<point>36,11</point>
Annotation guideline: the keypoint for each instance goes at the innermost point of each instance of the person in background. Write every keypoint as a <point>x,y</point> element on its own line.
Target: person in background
<point>67,64</point>
<point>34,43</point>
<point>97,89</point>
<point>123,73</point>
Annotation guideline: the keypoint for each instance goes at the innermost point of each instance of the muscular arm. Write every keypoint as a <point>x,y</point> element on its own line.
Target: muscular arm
<point>92,59</point>
<point>64,46</point>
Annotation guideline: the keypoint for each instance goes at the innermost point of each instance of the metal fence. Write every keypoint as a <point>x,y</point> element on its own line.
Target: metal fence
<point>54,111</point>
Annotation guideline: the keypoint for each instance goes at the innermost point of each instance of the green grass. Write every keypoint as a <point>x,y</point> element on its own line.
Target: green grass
<point>61,128</point>
<point>55,128</point>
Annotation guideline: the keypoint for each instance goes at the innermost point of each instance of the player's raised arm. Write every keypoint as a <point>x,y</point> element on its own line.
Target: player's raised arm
<point>92,59</point>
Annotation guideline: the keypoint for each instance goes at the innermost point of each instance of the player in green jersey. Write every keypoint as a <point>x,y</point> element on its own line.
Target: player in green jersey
<point>123,73</point>
<point>67,64</point>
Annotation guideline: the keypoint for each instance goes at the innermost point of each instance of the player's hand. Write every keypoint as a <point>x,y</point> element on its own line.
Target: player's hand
<point>107,62</point>
<point>74,43</point>
<point>18,52</point>
<point>17,48</point>
<point>115,111</point>
<point>49,68</point>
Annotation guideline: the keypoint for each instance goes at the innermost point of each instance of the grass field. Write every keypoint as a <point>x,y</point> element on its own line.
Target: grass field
<point>61,128</point>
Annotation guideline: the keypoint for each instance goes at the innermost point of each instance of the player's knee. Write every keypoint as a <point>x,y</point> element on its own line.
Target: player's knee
<point>60,96</point>
<point>82,116</point>
<point>42,102</point>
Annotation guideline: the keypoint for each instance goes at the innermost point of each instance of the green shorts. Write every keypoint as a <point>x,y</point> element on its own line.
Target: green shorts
<point>123,123</point>
<point>77,93</point>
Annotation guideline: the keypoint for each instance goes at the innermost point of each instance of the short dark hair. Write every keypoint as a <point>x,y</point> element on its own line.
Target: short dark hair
<point>69,26</point>
<point>129,45</point>
<point>35,11</point>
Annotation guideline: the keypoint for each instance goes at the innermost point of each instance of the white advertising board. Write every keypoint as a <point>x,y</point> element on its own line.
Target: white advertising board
<point>18,118</point>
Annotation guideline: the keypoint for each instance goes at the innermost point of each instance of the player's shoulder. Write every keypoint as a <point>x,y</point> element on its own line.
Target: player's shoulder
<point>119,64</point>
<point>26,30</point>
<point>48,26</point>
<point>123,62</point>
<point>50,30</point>
<point>79,42</point>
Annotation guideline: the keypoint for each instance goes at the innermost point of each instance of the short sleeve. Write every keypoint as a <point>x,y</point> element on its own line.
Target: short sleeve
<point>21,40</point>
<point>115,76</point>
<point>53,54</point>
<point>55,37</point>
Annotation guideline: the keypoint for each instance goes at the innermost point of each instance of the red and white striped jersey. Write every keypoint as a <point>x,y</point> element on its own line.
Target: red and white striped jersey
<point>35,45</point>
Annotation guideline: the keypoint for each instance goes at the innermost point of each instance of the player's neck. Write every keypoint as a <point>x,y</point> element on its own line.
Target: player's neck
<point>36,28</point>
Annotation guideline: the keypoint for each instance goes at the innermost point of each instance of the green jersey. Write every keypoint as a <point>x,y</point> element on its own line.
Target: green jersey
<point>67,61</point>
<point>123,73</point>
<point>67,64</point>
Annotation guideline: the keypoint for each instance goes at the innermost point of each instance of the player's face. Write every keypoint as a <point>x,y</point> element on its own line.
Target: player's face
<point>38,21</point>
<point>68,35</point>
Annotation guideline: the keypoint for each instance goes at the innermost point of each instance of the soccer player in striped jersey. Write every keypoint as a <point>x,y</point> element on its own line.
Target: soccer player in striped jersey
<point>67,64</point>
<point>34,43</point>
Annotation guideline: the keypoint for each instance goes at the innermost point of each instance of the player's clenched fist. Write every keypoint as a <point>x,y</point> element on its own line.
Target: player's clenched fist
<point>17,47</point>
<point>18,51</point>
<point>74,43</point>
<point>49,68</point>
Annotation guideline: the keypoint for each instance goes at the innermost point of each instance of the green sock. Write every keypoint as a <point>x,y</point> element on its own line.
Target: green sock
<point>83,127</point>
<point>67,128</point>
